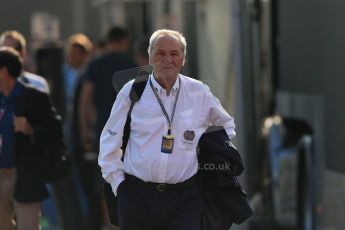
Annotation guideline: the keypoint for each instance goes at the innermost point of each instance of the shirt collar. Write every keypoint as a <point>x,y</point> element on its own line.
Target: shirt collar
<point>159,88</point>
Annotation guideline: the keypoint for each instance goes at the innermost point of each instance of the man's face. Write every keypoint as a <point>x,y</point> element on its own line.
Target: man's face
<point>76,57</point>
<point>167,57</point>
<point>11,42</point>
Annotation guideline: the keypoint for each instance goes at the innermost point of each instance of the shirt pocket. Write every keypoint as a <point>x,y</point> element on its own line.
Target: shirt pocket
<point>190,130</point>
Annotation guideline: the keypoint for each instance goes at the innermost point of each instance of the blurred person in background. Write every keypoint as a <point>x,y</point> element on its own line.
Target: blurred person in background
<point>16,40</point>
<point>68,192</point>
<point>98,88</point>
<point>78,51</point>
<point>28,123</point>
<point>141,56</point>
<point>97,97</point>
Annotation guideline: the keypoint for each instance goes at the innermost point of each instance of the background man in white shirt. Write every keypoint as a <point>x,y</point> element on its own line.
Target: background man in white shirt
<point>155,185</point>
<point>13,38</point>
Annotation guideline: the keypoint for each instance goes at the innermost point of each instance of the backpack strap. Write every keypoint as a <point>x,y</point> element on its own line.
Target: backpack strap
<point>138,86</point>
<point>135,94</point>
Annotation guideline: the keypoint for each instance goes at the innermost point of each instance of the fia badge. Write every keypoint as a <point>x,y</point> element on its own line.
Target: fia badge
<point>167,144</point>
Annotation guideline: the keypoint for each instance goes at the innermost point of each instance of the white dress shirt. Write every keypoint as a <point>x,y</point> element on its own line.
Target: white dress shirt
<point>34,81</point>
<point>196,110</point>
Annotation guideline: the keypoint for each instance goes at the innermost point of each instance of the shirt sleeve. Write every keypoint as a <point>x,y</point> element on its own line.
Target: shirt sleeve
<point>109,158</point>
<point>217,115</point>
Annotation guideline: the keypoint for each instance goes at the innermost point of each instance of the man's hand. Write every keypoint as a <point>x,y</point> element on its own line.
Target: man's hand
<point>21,124</point>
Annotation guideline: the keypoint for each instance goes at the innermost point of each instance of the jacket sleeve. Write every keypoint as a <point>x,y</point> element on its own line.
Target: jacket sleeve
<point>110,154</point>
<point>47,126</point>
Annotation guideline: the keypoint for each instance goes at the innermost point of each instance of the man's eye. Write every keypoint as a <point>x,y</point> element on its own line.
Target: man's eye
<point>174,54</point>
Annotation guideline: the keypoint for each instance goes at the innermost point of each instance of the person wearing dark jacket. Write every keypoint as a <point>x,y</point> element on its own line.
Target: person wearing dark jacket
<point>28,125</point>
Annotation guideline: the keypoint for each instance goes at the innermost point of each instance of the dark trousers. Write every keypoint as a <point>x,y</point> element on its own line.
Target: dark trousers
<point>66,198</point>
<point>145,208</point>
<point>91,180</point>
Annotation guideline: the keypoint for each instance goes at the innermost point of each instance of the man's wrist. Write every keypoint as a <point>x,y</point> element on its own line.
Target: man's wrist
<point>116,183</point>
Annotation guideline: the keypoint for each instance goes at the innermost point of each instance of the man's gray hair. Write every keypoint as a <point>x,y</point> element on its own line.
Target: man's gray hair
<point>167,33</point>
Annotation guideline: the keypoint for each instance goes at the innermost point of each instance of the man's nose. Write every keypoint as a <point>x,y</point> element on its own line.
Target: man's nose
<point>168,58</point>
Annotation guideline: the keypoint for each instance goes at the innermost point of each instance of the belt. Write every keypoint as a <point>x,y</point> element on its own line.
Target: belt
<point>162,187</point>
<point>7,172</point>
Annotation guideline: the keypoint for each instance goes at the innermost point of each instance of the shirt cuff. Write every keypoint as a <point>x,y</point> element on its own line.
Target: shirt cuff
<point>116,183</point>
<point>230,130</point>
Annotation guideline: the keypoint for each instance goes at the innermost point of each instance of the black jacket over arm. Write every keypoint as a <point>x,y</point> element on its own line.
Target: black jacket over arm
<point>36,106</point>
<point>219,165</point>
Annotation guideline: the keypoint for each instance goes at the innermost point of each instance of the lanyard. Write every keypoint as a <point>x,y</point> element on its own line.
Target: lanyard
<point>162,106</point>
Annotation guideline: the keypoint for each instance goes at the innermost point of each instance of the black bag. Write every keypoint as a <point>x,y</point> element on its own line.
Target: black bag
<point>56,162</point>
<point>135,95</point>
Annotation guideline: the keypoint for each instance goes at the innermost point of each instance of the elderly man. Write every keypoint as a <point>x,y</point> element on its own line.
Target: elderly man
<point>156,185</point>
